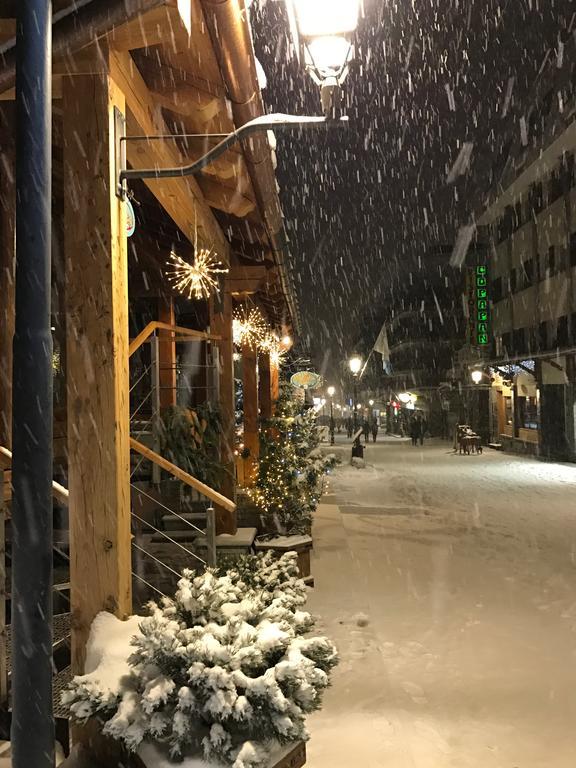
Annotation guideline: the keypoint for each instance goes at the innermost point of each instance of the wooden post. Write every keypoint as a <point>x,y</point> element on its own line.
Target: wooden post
<point>7,264</point>
<point>167,354</point>
<point>221,325</point>
<point>97,356</point>
<point>250,382</point>
<point>274,384</point>
<point>265,385</point>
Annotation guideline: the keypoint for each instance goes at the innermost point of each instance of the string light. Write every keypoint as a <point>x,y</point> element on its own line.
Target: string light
<point>196,281</point>
<point>249,327</point>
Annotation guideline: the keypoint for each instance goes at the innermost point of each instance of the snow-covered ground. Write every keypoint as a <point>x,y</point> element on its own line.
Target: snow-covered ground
<point>449,585</point>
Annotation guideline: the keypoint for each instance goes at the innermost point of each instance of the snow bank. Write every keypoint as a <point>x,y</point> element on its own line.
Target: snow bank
<point>108,650</point>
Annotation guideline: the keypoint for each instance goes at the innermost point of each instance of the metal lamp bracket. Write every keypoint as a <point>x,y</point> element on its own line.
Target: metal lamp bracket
<point>263,123</point>
<point>120,152</point>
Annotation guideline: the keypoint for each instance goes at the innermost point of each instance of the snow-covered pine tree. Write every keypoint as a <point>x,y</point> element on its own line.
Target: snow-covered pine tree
<point>225,669</point>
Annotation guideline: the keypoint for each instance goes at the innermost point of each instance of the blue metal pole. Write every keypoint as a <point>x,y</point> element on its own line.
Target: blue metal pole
<point>32,719</point>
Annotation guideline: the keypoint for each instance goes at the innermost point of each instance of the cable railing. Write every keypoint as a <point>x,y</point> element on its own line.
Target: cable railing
<point>174,536</point>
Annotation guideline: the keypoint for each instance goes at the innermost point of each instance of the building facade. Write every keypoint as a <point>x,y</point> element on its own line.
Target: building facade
<point>531,227</point>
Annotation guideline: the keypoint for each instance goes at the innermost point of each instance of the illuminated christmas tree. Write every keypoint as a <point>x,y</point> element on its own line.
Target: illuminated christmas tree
<point>289,482</point>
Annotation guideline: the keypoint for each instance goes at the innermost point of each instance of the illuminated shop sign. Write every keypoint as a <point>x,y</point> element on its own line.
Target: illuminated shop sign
<point>479,305</point>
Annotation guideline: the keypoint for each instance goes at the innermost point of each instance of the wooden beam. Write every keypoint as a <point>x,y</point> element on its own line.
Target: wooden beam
<point>167,354</point>
<point>182,199</point>
<point>265,385</point>
<point>7,265</point>
<point>164,25</point>
<point>244,280</point>
<point>221,325</point>
<point>7,30</point>
<point>250,396</point>
<point>225,199</point>
<point>97,356</point>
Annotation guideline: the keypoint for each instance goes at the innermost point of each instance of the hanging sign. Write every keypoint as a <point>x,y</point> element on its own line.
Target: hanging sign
<point>130,218</point>
<point>306,380</point>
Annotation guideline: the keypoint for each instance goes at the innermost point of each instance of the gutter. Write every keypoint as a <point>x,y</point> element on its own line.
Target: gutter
<point>228,24</point>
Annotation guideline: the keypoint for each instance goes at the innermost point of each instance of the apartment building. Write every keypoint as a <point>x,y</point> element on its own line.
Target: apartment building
<point>531,226</point>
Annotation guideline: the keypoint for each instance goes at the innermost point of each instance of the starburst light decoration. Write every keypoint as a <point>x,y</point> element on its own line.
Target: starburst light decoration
<point>195,281</point>
<point>272,344</point>
<point>249,327</point>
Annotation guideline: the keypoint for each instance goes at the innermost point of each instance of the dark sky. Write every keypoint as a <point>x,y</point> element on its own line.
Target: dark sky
<point>363,205</point>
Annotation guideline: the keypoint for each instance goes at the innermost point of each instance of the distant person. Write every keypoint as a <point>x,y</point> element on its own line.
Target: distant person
<point>349,427</point>
<point>415,430</point>
<point>366,430</point>
<point>423,430</point>
<point>374,430</point>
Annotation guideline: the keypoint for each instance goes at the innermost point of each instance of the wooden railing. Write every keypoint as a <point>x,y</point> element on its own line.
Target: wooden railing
<point>59,492</point>
<point>205,490</point>
<point>155,325</point>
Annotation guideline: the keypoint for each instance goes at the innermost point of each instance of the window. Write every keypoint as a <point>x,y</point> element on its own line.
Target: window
<point>551,263</point>
<point>519,341</point>
<point>497,289</point>
<point>528,273</point>
<point>513,280</point>
<point>554,186</point>
<point>528,412</point>
<point>506,344</point>
<point>536,200</point>
<point>508,412</point>
<point>543,336</point>
<point>562,332</point>
<point>573,249</point>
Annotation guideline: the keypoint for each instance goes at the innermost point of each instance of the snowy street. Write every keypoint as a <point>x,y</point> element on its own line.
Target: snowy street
<point>449,585</point>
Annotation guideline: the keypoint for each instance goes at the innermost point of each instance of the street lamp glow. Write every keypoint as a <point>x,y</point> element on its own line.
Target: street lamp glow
<point>355,365</point>
<point>405,397</point>
<point>322,31</point>
<point>476,376</point>
<point>318,18</point>
<point>331,391</point>
<point>286,341</point>
<point>370,403</point>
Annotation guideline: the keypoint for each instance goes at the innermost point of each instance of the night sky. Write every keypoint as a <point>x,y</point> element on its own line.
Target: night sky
<point>363,206</point>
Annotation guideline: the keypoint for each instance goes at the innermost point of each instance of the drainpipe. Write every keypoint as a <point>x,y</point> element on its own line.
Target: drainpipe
<point>32,734</point>
<point>229,28</point>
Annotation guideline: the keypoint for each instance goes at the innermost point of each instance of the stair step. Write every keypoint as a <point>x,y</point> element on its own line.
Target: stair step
<point>173,523</point>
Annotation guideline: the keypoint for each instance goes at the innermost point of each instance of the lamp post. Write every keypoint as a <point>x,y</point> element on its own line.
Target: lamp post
<point>355,365</point>
<point>331,391</point>
<point>323,31</point>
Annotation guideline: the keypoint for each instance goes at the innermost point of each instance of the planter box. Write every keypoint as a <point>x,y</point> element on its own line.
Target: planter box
<point>289,757</point>
<point>294,759</point>
<point>302,545</point>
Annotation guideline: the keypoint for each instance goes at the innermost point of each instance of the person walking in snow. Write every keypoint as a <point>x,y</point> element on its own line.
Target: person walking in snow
<point>374,430</point>
<point>349,427</point>
<point>366,430</point>
<point>415,430</point>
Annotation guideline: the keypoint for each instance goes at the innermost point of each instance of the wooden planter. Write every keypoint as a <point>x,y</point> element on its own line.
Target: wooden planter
<point>294,759</point>
<point>302,545</point>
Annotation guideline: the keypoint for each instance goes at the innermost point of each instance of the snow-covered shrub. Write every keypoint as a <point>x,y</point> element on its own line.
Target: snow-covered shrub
<point>225,669</point>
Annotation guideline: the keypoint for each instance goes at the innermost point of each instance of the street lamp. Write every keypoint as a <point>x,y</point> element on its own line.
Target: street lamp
<point>355,365</point>
<point>477,376</point>
<point>322,31</point>
<point>331,392</point>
